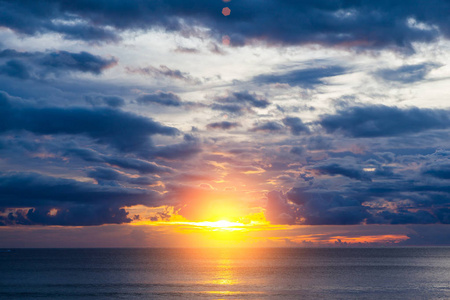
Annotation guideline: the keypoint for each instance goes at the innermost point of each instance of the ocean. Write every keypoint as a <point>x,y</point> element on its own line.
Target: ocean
<point>274,273</point>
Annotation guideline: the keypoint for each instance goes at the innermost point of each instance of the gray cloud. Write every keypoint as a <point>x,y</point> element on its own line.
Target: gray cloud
<point>124,131</point>
<point>295,125</point>
<point>354,24</point>
<point>380,120</point>
<point>76,203</point>
<point>407,73</point>
<point>164,71</point>
<point>268,126</point>
<point>306,78</point>
<point>239,102</point>
<point>224,125</point>
<point>39,65</point>
<point>161,98</point>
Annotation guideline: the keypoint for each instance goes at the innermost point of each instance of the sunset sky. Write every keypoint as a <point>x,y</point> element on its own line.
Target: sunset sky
<point>176,123</point>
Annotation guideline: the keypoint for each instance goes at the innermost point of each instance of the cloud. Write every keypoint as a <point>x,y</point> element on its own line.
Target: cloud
<point>39,65</point>
<point>278,210</point>
<point>297,150</point>
<point>230,108</point>
<point>319,142</point>
<point>380,195</point>
<point>82,62</point>
<point>305,78</point>
<point>441,170</point>
<point>122,130</point>
<point>102,174</point>
<point>164,71</point>
<point>142,166</point>
<point>161,98</point>
<point>268,126</point>
<point>239,102</point>
<point>187,50</point>
<point>188,148</point>
<point>295,125</point>
<point>320,207</point>
<point>383,121</point>
<point>351,24</point>
<point>244,98</point>
<point>111,101</point>
<point>57,201</point>
<point>405,217</point>
<point>224,125</point>
<point>334,169</point>
<point>15,68</point>
<point>407,73</point>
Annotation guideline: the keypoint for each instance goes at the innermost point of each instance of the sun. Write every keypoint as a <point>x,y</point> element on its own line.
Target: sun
<point>221,225</point>
<point>224,224</point>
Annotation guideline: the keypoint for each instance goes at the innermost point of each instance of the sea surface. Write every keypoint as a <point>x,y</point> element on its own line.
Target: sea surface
<point>347,273</point>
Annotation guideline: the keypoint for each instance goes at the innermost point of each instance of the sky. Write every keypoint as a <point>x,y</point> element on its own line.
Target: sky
<point>211,123</point>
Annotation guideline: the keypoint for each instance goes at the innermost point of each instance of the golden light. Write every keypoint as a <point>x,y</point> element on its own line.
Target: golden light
<point>223,225</point>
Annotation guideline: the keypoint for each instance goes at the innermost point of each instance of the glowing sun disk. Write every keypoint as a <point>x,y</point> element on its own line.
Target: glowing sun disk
<point>221,224</point>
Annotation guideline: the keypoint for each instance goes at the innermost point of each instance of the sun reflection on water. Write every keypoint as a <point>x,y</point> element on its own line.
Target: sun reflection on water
<point>224,273</point>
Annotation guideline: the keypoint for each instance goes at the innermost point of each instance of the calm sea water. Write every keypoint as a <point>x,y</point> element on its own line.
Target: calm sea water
<point>394,273</point>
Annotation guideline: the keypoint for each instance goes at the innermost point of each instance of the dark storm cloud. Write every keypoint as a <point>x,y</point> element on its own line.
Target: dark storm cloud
<point>225,125</point>
<point>306,78</point>
<point>83,62</point>
<point>380,120</point>
<point>142,166</point>
<point>189,147</point>
<point>336,169</point>
<point>406,74</point>
<point>346,23</point>
<point>25,65</point>
<point>124,131</point>
<point>369,191</point>
<point>161,98</point>
<point>102,174</point>
<point>404,217</point>
<point>74,215</point>
<point>441,171</point>
<point>111,101</point>
<point>76,203</point>
<point>322,207</point>
<point>34,18</point>
<point>15,68</point>
<point>279,211</point>
<point>410,201</point>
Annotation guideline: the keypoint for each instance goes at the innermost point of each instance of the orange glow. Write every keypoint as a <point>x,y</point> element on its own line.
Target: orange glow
<point>323,239</point>
<point>390,238</point>
<point>226,222</point>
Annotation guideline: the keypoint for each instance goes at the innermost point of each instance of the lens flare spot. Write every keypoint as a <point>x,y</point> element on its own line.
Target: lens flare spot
<point>226,40</point>
<point>226,11</point>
